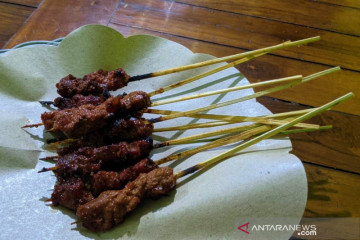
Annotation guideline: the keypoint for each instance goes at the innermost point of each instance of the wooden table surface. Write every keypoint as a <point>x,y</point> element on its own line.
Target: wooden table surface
<point>331,158</point>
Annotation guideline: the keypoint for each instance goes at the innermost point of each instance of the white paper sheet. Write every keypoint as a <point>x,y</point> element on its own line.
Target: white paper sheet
<point>265,181</point>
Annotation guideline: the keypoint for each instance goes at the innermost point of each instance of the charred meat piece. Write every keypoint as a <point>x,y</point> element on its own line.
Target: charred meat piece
<point>69,149</point>
<point>129,129</point>
<point>88,160</point>
<point>110,180</point>
<point>118,130</point>
<point>93,83</point>
<point>111,207</point>
<point>78,100</point>
<point>76,122</point>
<point>71,194</point>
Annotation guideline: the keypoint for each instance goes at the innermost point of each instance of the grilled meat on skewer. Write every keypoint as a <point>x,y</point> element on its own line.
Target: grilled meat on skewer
<point>93,83</point>
<point>73,192</point>
<point>76,122</point>
<point>87,160</point>
<point>118,130</point>
<point>111,207</point>
<point>111,180</point>
<point>78,100</point>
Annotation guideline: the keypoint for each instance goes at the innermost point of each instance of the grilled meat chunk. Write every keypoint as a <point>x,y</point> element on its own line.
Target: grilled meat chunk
<point>93,83</point>
<point>76,122</point>
<point>111,207</point>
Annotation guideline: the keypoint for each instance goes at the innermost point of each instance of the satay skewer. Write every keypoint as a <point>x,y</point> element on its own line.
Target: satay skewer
<point>245,132</point>
<point>224,120</point>
<point>227,58</point>
<point>240,58</point>
<point>211,124</point>
<point>292,78</point>
<point>205,94</point>
<point>93,99</point>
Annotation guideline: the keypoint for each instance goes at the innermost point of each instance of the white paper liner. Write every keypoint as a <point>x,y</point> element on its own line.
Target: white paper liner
<point>265,181</point>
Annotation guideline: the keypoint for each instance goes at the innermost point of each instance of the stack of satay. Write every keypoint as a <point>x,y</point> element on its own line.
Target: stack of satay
<point>104,171</point>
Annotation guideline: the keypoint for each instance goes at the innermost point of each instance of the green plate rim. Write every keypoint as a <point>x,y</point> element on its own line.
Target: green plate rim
<point>54,43</point>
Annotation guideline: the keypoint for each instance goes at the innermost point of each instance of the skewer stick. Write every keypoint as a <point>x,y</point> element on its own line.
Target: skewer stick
<point>205,135</point>
<point>226,90</point>
<point>280,135</point>
<point>32,125</point>
<point>66,141</point>
<point>192,126</point>
<point>51,158</point>
<point>228,118</point>
<point>237,119</point>
<point>224,59</point>
<point>263,136</point>
<point>47,169</point>
<point>251,96</point>
<point>47,103</point>
<point>302,130</point>
<point>233,130</point>
<point>251,130</point>
<point>217,143</point>
<point>202,75</point>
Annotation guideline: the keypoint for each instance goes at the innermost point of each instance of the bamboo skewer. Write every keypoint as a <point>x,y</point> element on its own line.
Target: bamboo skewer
<point>66,141</point>
<point>51,158</point>
<point>202,75</point>
<point>261,137</point>
<point>192,126</point>
<point>228,118</point>
<point>47,169</point>
<point>251,96</point>
<point>220,142</point>
<point>32,125</point>
<point>303,130</point>
<point>237,119</point>
<point>227,131</point>
<point>227,58</point>
<point>280,135</point>
<point>205,135</point>
<point>226,90</point>
<point>234,119</point>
